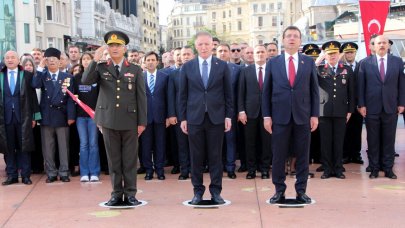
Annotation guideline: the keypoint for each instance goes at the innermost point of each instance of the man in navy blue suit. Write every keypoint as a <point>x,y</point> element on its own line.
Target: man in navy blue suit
<point>58,112</point>
<point>154,136</point>
<point>205,112</point>
<point>290,108</point>
<point>381,92</point>
<point>16,122</point>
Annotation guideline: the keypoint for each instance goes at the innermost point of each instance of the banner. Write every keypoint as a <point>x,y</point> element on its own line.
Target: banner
<point>373,16</point>
<point>86,108</point>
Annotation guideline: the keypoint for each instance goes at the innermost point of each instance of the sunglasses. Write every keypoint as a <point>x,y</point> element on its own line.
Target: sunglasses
<point>233,50</point>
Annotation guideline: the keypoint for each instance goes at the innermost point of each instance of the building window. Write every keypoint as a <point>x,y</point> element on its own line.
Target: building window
<point>214,28</point>
<point>214,15</point>
<point>230,26</point>
<point>260,21</point>
<point>49,13</point>
<point>188,20</point>
<point>27,33</point>
<point>38,42</point>
<point>36,8</point>
<point>51,42</point>
<point>263,7</point>
<point>224,27</point>
<point>223,14</point>
<point>274,21</point>
<point>260,41</point>
<point>188,32</point>
<point>239,10</point>
<point>64,13</point>
<point>230,13</point>
<point>255,8</point>
<point>239,25</point>
<point>279,5</point>
<point>271,7</point>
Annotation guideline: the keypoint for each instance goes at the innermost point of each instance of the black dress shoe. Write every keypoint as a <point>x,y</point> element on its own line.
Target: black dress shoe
<point>343,169</point>
<point>396,155</point>
<point>149,176</point>
<point>175,170</point>
<point>183,176</point>
<point>279,197</point>
<point>206,169</point>
<point>242,169</point>
<point>131,201</point>
<point>340,176</point>
<point>232,175</point>
<point>390,174</point>
<point>358,160</point>
<point>64,179</point>
<point>114,201</point>
<point>10,180</point>
<point>325,176</point>
<point>161,176</point>
<point>265,175</point>
<point>141,170</point>
<point>51,179</point>
<point>196,199</point>
<point>217,199</point>
<point>26,180</point>
<point>346,160</point>
<point>251,175</point>
<point>368,169</point>
<point>303,198</point>
<point>373,174</point>
<point>320,169</point>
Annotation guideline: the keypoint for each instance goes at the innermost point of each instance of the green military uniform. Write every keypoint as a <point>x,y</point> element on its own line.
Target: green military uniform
<point>121,108</point>
<point>336,92</point>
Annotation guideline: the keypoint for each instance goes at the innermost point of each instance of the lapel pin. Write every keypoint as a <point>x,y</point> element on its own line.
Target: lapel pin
<point>302,62</point>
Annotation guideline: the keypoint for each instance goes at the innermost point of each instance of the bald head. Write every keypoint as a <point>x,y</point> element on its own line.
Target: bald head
<point>381,45</point>
<point>11,60</point>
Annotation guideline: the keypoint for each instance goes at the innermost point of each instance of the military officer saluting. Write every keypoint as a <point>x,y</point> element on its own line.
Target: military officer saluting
<point>120,114</point>
<point>336,91</point>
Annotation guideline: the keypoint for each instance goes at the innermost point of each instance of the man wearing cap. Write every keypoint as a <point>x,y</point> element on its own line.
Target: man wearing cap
<point>120,114</point>
<point>336,92</point>
<point>381,91</point>
<point>58,111</point>
<point>19,105</point>
<point>352,144</point>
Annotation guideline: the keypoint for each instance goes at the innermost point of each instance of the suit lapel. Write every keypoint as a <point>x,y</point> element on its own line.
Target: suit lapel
<point>300,65</point>
<point>281,63</point>
<point>254,80</point>
<point>197,66</point>
<point>111,69</point>
<point>214,67</point>
<point>375,67</point>
<point>58,84</point>
<point>145,78</point>
<point>389,69</point>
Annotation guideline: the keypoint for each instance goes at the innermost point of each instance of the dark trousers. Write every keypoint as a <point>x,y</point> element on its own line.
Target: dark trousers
<point>122,150</point>
<point>172,150</point>
<point>37,160</point>
<point>352,144</point>
<point>230,147</point>
<point>74,146</point>
<point>298,136</point>
<point>381,131</point>
<point>16,158</point>
<point>315,147</point>
<point>154,140</point>
<point>240,149</point>
<point>184,151</point>
<point>257,145</point>
<point>205,141</point>
<point>332,131</point>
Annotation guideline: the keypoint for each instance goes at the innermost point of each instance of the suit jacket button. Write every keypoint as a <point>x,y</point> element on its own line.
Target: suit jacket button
<point>118,81</point>
<point>117,105</point>
<point>118,97</point>
<point>118,89</point>
<point>334,95</point>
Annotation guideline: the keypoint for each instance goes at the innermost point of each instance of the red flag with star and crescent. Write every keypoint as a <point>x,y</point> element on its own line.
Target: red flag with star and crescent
<point>373,16</point>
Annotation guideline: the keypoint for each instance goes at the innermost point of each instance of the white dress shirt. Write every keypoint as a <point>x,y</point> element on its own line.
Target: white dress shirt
<point>200,62</point>
<point>385,57</point>
<point>287,62</point>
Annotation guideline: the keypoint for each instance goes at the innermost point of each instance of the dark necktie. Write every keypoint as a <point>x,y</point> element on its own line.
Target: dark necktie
<point>334,71</point>
<point>260,78</point>
<point>12,82</point>
<point>291,71</point>
<point>205,73</point>
<point>54,79</point>
<point>117,70</point>
<point>382,69</point>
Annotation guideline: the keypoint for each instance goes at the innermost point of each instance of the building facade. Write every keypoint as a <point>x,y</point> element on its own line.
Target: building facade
<point>148,15</point>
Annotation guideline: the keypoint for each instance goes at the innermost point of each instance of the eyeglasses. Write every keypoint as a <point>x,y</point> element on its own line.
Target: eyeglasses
<point>233,50</point>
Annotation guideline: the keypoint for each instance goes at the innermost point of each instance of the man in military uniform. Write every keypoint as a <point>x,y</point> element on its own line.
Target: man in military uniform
<point>352,144</point>
<point>58,112</point>
<point>120,114</point>
<point>314,53</point>
<point>336,91</point>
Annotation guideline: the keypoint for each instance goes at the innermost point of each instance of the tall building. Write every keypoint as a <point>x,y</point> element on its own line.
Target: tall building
<point>148,14</point>
<point>125,7</point>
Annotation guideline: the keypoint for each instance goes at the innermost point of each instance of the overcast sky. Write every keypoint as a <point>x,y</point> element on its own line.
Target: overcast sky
<point>165,6</point>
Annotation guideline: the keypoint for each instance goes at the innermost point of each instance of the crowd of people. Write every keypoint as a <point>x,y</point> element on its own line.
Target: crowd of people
<point>200,112</point>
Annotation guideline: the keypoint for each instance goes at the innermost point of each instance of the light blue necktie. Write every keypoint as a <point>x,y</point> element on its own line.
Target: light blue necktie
<point>205,73</point>
<point>152,83</point>
<point>12,82</point>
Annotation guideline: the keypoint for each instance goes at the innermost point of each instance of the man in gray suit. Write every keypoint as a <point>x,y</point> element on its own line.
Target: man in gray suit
<point>120,114</point>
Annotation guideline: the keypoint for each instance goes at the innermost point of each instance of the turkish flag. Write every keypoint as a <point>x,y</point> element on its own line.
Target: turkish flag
<point>373,16</point>
<point>85,107</point>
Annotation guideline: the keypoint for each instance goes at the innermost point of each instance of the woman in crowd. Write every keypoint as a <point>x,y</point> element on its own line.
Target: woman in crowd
<point>88,132</point>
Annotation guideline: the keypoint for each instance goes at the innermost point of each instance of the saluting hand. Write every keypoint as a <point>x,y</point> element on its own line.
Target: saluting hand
<point>99,53</point>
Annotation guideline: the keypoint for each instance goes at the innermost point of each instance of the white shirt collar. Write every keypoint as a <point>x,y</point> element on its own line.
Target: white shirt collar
<point>287,56</point>
<point>384,57</point>
<point>201,60</point>
<point>149,74</point>
<point>262,66</point>
<point>15,70</point>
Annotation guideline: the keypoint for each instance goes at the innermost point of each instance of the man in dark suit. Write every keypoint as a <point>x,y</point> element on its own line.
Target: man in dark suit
<point>352,144</point>
<point>58,112</point>
<point>154,136</point>
<point>205,111</point>
<point>336,89</point>
<point>20,106</point>
<point>257,139</point>
<point>290,108</point>
<point>120,113</point>
<point>381,91</point>
<point>173,113</point>
<point>223,53</point>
